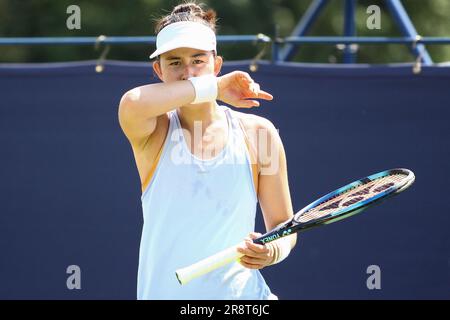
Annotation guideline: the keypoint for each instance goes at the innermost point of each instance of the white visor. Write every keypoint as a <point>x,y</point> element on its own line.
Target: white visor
<point>185,34</point>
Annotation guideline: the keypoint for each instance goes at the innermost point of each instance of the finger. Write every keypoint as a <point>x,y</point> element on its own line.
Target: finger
<point>251,90</point>
<point>243,250</point>
<point>244,78</point>
<point>254,250</point>
<point>257,248</point>
<point>253,255</point>
<point>264,95</point>
<point>250,266</point>
<point>249,262</point>
<point>261,95</point>
<point>254,261</point>
<point>247,103</point>
<point>254,87</point>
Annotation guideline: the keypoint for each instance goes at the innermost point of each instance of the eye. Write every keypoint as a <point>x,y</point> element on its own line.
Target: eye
<point>198,61</point>
<point>175,63</point>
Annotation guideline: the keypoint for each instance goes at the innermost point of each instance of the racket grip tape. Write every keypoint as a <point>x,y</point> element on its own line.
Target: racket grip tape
<point>185,275</point>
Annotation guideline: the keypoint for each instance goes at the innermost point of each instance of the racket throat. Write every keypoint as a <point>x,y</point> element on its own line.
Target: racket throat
<point>282,231</point>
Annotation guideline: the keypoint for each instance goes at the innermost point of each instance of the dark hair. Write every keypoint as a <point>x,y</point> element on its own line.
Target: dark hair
<point>188,11</point>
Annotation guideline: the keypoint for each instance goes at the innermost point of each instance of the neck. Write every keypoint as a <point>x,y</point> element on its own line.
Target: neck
<point>205,113</point>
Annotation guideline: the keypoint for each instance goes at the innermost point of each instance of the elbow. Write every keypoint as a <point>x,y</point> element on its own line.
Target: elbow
<point>124,106</point>
<point>126,110</point>
<point>124,102</point>
<point>131,97</point>
<point>128,102</point>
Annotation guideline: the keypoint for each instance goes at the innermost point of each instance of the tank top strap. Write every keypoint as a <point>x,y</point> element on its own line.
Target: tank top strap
<point>244,140</point>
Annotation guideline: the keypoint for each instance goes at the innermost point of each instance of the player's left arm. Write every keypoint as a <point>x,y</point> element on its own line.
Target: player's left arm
<point>273,194</point>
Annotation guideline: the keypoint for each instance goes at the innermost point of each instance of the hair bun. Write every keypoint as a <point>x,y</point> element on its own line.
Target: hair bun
<point>188,7</point>
<point>210,16</point>
<point>188,11</point>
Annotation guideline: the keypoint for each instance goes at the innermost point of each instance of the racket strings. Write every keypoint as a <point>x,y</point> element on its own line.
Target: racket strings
<point>351,196</point>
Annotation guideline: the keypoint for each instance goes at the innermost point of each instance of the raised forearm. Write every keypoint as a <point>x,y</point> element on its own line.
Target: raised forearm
<point>152,100</point>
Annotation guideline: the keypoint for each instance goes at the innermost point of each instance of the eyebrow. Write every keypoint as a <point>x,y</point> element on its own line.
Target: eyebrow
<point>193,56</point>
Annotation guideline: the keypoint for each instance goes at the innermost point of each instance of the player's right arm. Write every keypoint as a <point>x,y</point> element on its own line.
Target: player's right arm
<point>140,107</point>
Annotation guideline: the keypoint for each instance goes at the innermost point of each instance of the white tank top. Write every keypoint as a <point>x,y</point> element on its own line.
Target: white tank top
<point>192,209</point>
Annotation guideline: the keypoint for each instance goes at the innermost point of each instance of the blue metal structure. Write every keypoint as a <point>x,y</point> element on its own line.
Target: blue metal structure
<point>398,13</point>
<point>406,26</point>
<point>302,28</point>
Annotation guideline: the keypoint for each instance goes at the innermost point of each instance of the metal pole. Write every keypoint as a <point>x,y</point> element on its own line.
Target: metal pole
<point>349,30</point>
<point>276,45</point>
<point>225,39</point>
<point>289,51</point>
<point>367,40</point>
<point>114,40</point>
<point>404,22</point>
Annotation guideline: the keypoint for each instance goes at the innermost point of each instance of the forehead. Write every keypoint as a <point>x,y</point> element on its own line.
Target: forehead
<point>181,53</point>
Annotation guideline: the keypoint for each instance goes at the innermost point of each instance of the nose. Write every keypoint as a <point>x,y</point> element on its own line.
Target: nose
<point>188,72</point>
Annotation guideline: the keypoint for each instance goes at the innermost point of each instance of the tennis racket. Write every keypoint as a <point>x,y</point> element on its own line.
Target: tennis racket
<point>337,205</point>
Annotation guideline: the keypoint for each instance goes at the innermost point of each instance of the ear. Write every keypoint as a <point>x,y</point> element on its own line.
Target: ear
<point>157,69</point>
<point>218,61</point>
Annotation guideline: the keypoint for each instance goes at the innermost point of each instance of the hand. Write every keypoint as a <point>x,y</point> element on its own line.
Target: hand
<point>256,256</point>
<point>236,87</point>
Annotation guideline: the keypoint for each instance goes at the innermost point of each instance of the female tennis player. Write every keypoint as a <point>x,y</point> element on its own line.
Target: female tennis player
<point>203,166</point>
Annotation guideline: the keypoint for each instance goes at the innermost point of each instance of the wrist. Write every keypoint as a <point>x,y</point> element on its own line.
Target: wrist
<point>272,253</point>
<point>219,88</point>
<point>205,87</point>
<point>281,249</point>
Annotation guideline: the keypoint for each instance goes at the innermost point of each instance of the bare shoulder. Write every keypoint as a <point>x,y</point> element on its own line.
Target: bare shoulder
<point>252,122</point>
<point>264,140</point>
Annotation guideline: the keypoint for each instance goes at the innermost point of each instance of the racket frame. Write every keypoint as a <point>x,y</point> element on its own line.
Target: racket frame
<point>294,226</point>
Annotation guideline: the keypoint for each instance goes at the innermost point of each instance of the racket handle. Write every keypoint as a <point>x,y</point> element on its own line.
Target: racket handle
<point>184,275</point>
